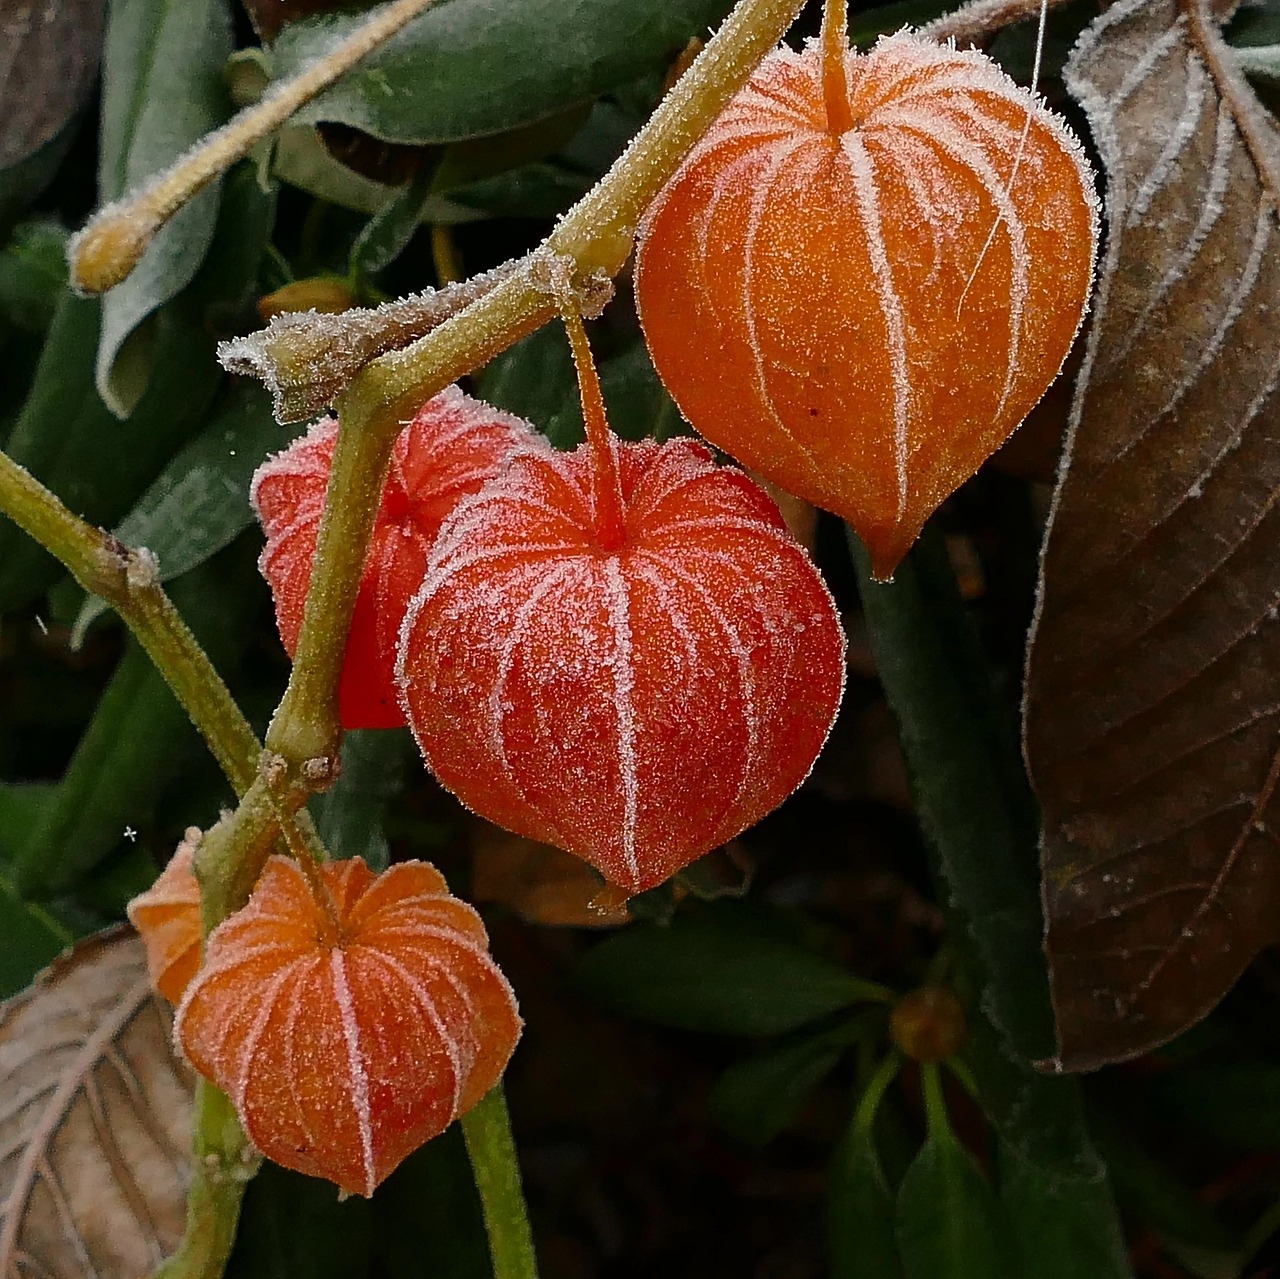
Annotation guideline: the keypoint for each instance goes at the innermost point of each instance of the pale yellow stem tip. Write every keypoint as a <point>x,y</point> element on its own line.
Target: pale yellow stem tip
<point>109,247</point>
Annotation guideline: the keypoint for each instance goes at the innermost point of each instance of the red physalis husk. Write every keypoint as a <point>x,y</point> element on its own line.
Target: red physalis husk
<point>167,917</point>
<point>867,272</point>
<point>348,1036</point>
<point>636,703</point>
<point>450,448</point>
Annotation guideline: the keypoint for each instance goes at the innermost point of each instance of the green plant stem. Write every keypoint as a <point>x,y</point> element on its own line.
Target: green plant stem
<point>223,1161</point>
<point>487,1129</point>
<point>128,582</point>
<point>864,1117</point>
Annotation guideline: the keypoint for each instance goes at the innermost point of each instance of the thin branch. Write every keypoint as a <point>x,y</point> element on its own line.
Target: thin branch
<point>976,22</point>
<point>115,238</point>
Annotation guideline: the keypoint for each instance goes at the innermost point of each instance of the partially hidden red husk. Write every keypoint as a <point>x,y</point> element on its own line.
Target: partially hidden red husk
<point>345,1049</point>
<point>452,446</point>
<point>636,706</point>
<point>167,917</point>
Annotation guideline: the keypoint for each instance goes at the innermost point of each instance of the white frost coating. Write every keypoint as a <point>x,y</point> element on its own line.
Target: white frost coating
<point>266,1005</point>
<point>1244,286</point>
<point>646,571</point>
<point>618,602</point>
<point>1171,40</point>
<point>864,186</point>
<point>427,1004</point>
<point>1175,144</point>
<point>1211,209</point>
<point>725,184</point>
<point>506,659</point>
<point>742,658</point>
<point>972,156</point>
<point>359,1076</point>
<point>922,196</point>
<point>300,1114</point>
<point>759,199</point>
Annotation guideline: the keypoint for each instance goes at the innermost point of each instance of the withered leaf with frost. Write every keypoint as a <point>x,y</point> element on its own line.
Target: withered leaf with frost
<point>1153,700</point>
<point>95,1120</point>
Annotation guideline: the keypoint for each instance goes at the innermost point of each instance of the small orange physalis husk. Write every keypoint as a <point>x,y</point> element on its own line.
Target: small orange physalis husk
<point>348,1033</point>
<point>863,307</point>
<point>167,917</point>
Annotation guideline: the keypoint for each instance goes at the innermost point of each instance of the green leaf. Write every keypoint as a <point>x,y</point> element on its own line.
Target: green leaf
<point>162,91</point>
<point>757,1098</point>
<point>948,1219</point>
<point>67,438</point>
<point>977,811</point>
<point>533,378</point>
<point>427,1215</point>
<point>470,68</point>
<point>32,938</point>
<point>134,742</point>
<point>478,159</point>
<point>199,503</point>
<point>349,816</point>
<point>861,1209</point>
<point>33,274</point>
<point>705,971</point>
<point>387,234</point>
<point>1157,1196</point>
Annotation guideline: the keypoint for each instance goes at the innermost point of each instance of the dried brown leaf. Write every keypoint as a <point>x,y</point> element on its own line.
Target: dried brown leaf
<point>1153,702</point>
<point>95,1119</point>
<point>49,51</point>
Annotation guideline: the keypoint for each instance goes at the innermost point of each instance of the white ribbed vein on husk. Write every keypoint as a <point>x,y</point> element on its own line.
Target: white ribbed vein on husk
<point>564,691</point>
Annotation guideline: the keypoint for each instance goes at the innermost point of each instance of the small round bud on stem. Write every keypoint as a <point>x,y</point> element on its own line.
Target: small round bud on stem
<point>928,1024</point>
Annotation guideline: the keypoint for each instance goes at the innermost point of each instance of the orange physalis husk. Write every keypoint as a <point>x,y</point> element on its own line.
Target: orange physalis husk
<point>344,1049</point>
<point>638,703</point>
<point>167,917</point>
<point>450,448</point>
<point>864,314</point>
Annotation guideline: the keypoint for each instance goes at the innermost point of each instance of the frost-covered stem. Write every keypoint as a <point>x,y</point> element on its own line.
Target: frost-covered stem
<point>223,1162</point>
<point>598,231</point>
<point>979,20</point>
<point>835,63</point>
<point>306,726</point>
<point>112,243</point>
<point>127,580</point>
<point>492,1151</point>
<point>606,483</point>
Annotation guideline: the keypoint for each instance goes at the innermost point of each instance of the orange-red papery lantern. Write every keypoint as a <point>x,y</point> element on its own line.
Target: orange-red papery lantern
<point>867,272</point>
<point>634,687</point>
<point>351,1026</point>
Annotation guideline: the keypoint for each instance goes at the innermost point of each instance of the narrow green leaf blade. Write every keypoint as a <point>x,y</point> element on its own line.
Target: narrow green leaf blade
<point>948,1219</point>
<point>162,91</point>
<point>349,816</point>
<point>861,1212</point>
<point>200,503</point>
<point>757,1098</point>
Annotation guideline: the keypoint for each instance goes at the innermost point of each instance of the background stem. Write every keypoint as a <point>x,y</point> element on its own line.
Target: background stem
<point>487,1129</point>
